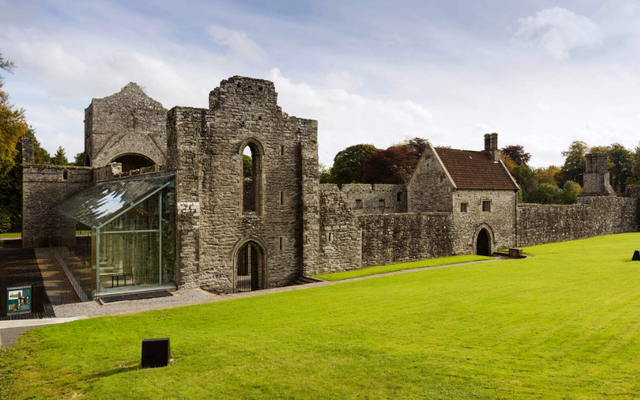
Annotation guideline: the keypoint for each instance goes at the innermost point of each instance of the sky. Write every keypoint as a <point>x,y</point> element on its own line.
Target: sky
<point>539,73</point>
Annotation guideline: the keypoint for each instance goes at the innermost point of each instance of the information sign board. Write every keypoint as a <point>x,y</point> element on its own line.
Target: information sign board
<point>19,300</point>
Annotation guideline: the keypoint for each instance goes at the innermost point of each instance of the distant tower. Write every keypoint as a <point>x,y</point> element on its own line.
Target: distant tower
<point>596,176</point>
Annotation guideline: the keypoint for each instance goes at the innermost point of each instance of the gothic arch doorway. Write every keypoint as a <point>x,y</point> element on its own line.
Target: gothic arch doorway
<point>483,243</point>
<point>133,161</point>
<point>250,267</point>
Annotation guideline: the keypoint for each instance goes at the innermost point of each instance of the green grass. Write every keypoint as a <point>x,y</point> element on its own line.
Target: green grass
<point>562,324</point>
<point>383,269</point>
<point>10,235</point>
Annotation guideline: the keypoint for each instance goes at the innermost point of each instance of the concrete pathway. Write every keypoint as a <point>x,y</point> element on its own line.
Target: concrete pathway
<point>92,309</point>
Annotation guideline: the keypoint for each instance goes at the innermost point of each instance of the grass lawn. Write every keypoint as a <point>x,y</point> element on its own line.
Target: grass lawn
<point>10,235</point>
<point>383,269</point>
<point>564,323</point>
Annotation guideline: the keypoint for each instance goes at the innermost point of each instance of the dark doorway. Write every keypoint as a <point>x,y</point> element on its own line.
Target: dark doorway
<point>250,268</point>
<point>133,161</point>
<point>483,244</point>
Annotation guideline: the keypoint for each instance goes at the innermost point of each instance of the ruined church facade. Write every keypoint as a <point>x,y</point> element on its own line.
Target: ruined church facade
<point>227,233</point>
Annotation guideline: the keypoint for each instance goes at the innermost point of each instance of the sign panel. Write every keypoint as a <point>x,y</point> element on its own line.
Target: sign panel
<point>19,300</point>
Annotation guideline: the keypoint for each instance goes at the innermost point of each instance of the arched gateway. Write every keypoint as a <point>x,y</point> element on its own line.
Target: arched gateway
<point>250,267</point>
<point>483,243</point>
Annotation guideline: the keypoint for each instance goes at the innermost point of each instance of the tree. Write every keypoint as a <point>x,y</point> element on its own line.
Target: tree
<point>13,124</point>
<point>621,166</point>
<point>547,194</point>
<point>325,173</point>
<point>79,160</point>
<point>348,164</point>
<point>247,164</point>
<point>393,165</point>
<point>574,163</point>
<point>546,175</point>
<point>516,153</point>
<point>570,192</point>
<point>60,158</point>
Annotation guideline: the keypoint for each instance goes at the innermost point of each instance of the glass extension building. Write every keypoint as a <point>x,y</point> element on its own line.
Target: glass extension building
<point>132,242</point>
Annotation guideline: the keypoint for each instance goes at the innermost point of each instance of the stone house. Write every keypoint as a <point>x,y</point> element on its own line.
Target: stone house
<point>164,197</point>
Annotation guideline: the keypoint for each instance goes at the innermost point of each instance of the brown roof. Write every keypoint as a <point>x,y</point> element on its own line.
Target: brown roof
<point>475,170</point>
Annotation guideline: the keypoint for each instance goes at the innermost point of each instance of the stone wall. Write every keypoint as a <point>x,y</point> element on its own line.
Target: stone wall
<point>340,237</point>
<point>430,187</point>
<point>43,187</point>
<point>376,199</point>
<point>394,238</point>
<point>499,221</point>
<point>594,216</point>
<point>128,122</point>
<point>205,148</point>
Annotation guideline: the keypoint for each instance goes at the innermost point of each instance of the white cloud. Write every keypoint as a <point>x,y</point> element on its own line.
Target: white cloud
<point>343,80</point>
<point>559,31</point>
<point>238,42</point>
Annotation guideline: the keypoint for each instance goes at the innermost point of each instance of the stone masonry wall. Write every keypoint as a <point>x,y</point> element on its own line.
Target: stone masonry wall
<point>394,238</point>
<point>430,188</point>
<point>376,199</point>
<point>206,148</point>
<point>499,221</point>
<point>128,122</point>
<point>340,236</point>
<point>594,216</point>
<point>43,187</point>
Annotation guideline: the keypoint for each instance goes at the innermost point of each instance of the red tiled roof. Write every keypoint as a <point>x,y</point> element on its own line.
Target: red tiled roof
<point>475,170</point>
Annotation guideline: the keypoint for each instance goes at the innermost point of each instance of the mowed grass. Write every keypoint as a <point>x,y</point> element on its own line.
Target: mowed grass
<point>10,235</point>
<point>383,269</point>
<point>564,323</point>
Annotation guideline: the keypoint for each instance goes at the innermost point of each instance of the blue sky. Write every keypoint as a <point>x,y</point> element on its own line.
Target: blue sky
<point>539,73</point>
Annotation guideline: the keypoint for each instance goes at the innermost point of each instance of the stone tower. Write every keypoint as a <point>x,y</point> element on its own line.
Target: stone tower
<point>596,176</point>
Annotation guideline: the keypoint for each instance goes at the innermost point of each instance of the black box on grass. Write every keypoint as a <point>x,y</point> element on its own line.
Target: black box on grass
<point>636,256</point>
<point>155,353</point>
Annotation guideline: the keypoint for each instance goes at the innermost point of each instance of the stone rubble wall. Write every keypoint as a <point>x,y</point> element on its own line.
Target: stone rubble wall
<point>43,187</point>
<point>430,188</point>
<point>594,216</point>
<point>395,238</point>
<point>340,236</point>
<point>376,199</point>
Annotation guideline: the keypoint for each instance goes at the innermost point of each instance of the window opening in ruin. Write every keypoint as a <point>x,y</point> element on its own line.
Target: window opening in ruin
<point>463,207</point>
<point>281,198</point>
<point>65,175</point>
<point>251,179</point>
<point>280,243</point>
<point>399,196</point>
<point>250,268</point>
<point>381,203</point>
<point>281,150</point>
<point>486,205</point>
<point>330,237</point>
<point>132,162</point>
<point>359,204</point>
<point>483,243</point>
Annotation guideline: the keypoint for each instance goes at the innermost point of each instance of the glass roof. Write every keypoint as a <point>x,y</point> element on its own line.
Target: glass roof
<point>96,204</point>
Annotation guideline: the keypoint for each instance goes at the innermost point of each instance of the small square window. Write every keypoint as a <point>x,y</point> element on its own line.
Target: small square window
<point>486,205</point>
<point>399,196</point>
<point>381,203</point>
<point>463,207</point>
<point>359,204</point>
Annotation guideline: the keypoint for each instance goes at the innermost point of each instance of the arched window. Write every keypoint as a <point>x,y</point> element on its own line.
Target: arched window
<point>251,171</point>
<point>133,161</point>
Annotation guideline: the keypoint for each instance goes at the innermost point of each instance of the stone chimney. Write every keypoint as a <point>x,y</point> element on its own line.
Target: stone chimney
<point>28,152</point>
<point>596,176</point>
<point>491,146</point>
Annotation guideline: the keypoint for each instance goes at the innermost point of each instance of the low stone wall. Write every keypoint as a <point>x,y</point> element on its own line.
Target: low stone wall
<point>394,238</point>
<point>594,216</point>
<point>373,199</point>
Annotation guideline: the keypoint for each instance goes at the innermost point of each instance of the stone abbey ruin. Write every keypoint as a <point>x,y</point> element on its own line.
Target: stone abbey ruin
<point>164,196</point>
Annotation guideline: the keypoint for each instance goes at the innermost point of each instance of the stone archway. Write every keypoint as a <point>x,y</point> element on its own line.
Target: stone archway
<point>483,243</point>
<point>250,267</point>
<point>133,161</point>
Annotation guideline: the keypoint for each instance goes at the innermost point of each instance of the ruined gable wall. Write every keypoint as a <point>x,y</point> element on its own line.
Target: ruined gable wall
<point>376,199</point>
<point>394,238</point>
<point>127,122</point>
<point>340,237</point>
<point>429,189</point>
<point>43,187</point>
<point>208,162</point>
<point>594,216</point>
<point>500,221</point>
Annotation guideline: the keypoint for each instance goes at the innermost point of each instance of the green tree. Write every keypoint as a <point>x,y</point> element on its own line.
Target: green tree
<point>570,192</point>
<point>247,164</point>
<point>574,163</point>
<point>325,173</point>
<point>60,158</point>
<point>547,194</point>
<point>621,166</point>
<point>348,164</point>
<point>13,124</point>
<point>79,160</point>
